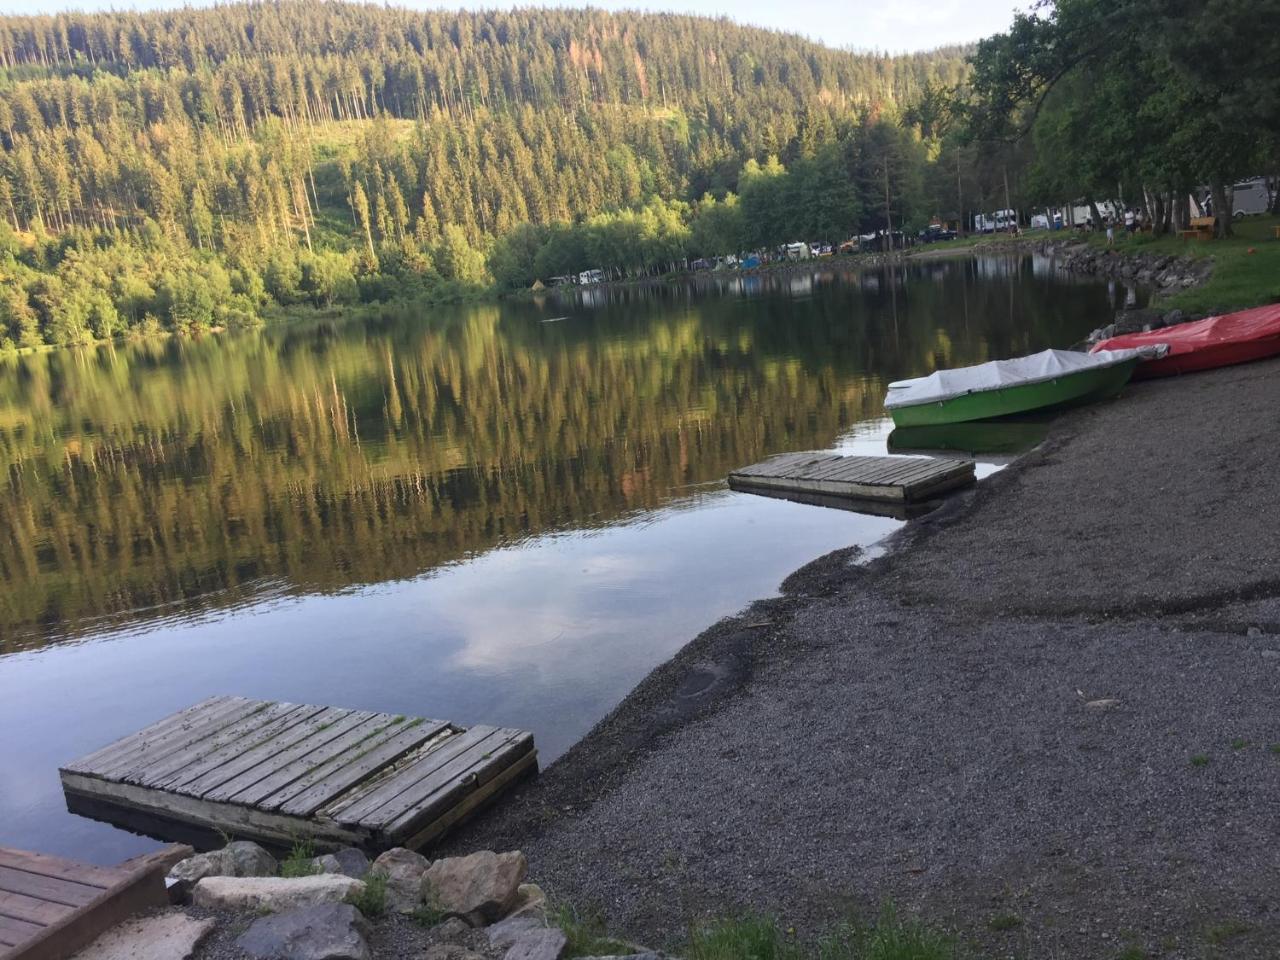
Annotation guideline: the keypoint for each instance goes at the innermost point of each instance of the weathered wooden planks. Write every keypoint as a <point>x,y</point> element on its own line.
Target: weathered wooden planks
<point>50,907</point>
<point>894,480</point>
<point>283,771</point>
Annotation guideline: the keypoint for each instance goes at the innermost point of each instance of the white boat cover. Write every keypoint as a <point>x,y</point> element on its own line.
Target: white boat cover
<point>996,374</point>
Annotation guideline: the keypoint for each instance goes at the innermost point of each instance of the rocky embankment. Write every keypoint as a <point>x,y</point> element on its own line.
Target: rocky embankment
<point>240,903</point>
<point>1162,271</point>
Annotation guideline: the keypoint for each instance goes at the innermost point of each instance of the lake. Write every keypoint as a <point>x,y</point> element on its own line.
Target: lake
<point>501,513</point>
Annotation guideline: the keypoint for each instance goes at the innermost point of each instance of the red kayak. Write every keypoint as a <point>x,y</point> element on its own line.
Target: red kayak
<point>1205,344</point>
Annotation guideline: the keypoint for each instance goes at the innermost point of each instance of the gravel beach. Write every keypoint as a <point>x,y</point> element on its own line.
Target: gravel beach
<point>1046,720</point>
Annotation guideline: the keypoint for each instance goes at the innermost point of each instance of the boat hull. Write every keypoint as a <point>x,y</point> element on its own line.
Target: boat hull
<point>1084,386</point>
<point>1209,358</point>
<point>1221,341</point>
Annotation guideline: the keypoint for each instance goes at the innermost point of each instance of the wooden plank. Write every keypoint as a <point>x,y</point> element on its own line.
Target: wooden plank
<point>314,771</point>
<point>901,474</point>
<point>423,834</point>
<point>279,771</point>
<point>890,479</point>
<point>829,468</point>
<point>928,476</point>
<point>335,784</point>
<point>291,765</point>
<point>787,463</point>
<point>20,906</point>
<point>382,794</point>
<point>926,489</point>
<point>134,740</point>
<point>228,742</point>
<point>834,487</point>
<point>890,470</point>
<point>895,471</point>
<point>48,866</point>
<point>878,473</point>
<point>15,932</point>
<point>230,818</point>
<point>433,795</point>
<point>261,760</point>
<point>216,760</point>
<point>67,892</point>
<point>175,738</point>
<point>180,742</point>
<point>143,888</point>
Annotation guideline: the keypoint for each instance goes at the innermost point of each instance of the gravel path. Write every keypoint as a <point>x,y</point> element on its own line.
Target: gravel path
<point>926,728</point>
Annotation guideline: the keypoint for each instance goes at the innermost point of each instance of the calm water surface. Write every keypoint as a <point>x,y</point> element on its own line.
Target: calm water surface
<point>501,514</point>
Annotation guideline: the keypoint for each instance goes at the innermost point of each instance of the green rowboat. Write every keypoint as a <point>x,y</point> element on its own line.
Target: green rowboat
<point>1001,388</point>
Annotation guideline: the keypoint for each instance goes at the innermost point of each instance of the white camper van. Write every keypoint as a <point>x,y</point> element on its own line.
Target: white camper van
<point>1250,197</point>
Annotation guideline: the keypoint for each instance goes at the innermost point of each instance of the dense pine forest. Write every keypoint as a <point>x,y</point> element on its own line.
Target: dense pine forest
<point>207,167</point>
<point>193,169</point>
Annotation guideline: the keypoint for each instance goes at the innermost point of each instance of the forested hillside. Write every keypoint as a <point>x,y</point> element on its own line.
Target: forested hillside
<point>192,168</point>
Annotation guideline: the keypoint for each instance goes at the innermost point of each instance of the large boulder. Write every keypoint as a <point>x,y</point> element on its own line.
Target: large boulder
<point>274,894</point>
<point>545,943</point>
<point>328,931</point>
<point>530,901</point>
<point>403,870</point>
<point>240,858</point>
<point>479,888</point>
<point>503,934</point>
<point>349,861</point>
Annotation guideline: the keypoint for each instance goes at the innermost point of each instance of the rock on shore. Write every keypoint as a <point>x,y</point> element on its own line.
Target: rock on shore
<point>1160,270</point>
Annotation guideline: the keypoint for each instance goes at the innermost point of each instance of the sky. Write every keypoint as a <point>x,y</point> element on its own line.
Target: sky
<point>892,25</point>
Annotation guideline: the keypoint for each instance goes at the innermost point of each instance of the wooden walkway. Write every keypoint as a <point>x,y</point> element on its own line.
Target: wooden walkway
<point>283,771</point>
<point>897,480</point>
<point>50,907</point>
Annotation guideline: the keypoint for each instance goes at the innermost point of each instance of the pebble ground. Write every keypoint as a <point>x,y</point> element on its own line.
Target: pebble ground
<point>1048,720</point>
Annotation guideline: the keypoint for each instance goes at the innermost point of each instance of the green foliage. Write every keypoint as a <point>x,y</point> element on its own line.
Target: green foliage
<point>325,155</point>
<point>298,863</point>
<point>754,938</point>
<point>1171,100</point>
<point>585,933</point>
<point>372,900</point>
<point>456,259</point>
<point>428,915</point>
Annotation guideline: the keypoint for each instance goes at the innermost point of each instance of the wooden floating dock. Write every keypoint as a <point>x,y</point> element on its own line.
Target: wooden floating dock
<point>51,907</point>
<point>893,480</point>
<point>280,772</point>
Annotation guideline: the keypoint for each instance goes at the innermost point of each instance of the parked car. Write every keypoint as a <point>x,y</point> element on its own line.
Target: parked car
<point>935,233</point>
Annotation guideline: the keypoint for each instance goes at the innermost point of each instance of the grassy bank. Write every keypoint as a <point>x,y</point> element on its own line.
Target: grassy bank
<point>1246,267</point>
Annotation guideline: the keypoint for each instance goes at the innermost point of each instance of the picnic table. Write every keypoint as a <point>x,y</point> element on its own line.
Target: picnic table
<point>1200,228</point>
